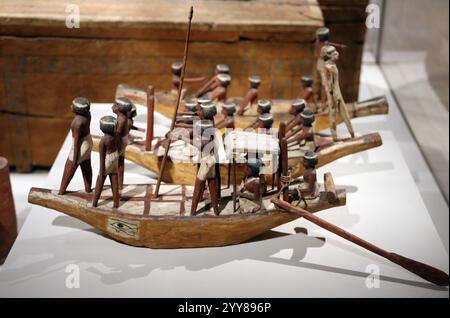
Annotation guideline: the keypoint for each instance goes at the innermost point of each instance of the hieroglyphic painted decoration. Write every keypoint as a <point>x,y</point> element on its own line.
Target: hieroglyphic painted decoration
<point>123,228</point>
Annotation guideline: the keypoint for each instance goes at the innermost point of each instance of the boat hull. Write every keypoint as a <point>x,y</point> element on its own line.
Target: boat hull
<point>172,231</point>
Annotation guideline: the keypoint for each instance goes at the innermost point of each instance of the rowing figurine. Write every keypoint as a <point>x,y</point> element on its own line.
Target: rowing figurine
<point>264,107</point>
<point>109,160</point>
<point>335,100</point>
<point>220,92</point>
<point>297,108</point>
<point>213,83</point>
<point>176,68</point>
<point>131,115</point>
<point>305,137</point>
<point>251,97</point>
<point>80,153</point>
<point>307,93</point>
<point>228,111</point>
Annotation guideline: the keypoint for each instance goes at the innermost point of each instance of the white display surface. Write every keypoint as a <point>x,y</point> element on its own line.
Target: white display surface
<point>383,207</point>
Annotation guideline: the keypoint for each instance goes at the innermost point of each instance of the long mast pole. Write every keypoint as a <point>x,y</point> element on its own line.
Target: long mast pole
<point>180,88</point>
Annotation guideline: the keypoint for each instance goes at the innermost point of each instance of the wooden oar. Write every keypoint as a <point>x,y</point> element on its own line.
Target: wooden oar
<point>425,271</point>
<point>174,118</point>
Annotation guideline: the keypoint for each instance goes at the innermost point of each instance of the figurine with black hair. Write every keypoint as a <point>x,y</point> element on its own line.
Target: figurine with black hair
<point>296,110</point>
<point>109,160</point>
<point>121,107</point>
<point>228,111</point>
<point>253,187</point>
<point>305,137</point>
<point>213,83</point>
<point>307,93</point>
<point>264,107</point>
<point>251,97</point>
<point>335,100</point>
<point>309,188</point>
<point>176,69</point>
<point>220,92</point>
<point>207,171</point>
<point>80,153</point>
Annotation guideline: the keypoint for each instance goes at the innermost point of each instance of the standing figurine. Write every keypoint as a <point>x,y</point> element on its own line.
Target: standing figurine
<point>109,160</point>
<point>228,110</point>
<point>209,110</point>
<point>220,92</point>
<point>252,95</point>
<point>207,171</point>
<point>253,188</point>
<point>305,137</point>
<point>307,93</point>
<point>322,40</point>
<point>335,99</point>
<point>80,153</point>
<point>264,107</point>
<point>309,189</point>
<point>213,83</point>
<point>176,68</point>
<point>121,108</point>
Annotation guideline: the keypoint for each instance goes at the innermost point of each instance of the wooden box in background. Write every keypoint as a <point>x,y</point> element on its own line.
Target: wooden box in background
<point>44,64</point>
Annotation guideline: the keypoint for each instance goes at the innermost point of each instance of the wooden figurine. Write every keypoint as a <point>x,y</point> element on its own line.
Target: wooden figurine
<point>228,111</point>
<point>335,99</point>
<point>80,153</point>
<point>297,108</point>
<point>305,137</point>
<point>309,189</point>
<point>253,188</point>
<point>207,172</point>
<point>213,83</point>
<point>176,68</point>
<point>322,39</point>
<point>265,122</point>
<point>220,92</point>
<point>307,93</point>
<point>252,95</point>
<point>121,107</point>
<point>131,115</point>
<point>109,149</point>
<point>264,107</point>
<point>209,110</point>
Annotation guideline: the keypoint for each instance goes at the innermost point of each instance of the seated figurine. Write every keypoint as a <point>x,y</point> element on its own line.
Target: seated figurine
<point>253,188</point>
<point>228,111</point>
<point>252,95</point>
<point>309,188</point>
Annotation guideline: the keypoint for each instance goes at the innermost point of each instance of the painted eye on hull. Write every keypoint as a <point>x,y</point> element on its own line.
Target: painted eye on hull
<point>123,227</point>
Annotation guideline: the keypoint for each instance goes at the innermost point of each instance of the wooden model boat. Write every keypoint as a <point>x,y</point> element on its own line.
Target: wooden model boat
<point>156,217</point>
<point>142,220</point>
<point>165,105</point>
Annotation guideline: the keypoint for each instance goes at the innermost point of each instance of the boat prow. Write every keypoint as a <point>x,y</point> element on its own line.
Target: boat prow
<point>165,222</point>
